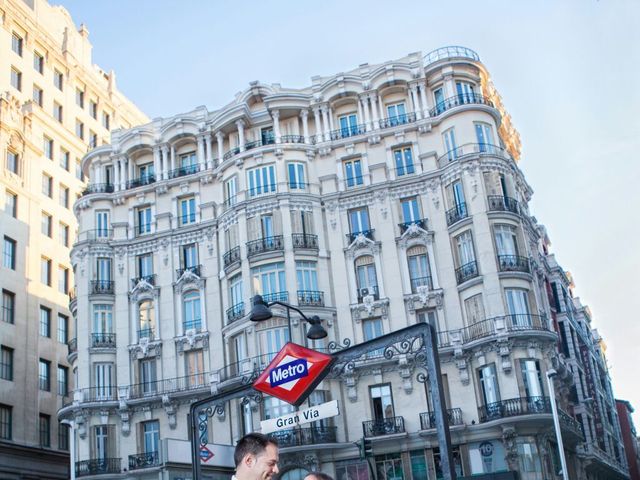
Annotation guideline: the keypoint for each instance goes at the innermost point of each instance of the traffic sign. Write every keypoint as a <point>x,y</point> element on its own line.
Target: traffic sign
<point>205,454</point>
<point>311,414</point>
<point>293,373</point>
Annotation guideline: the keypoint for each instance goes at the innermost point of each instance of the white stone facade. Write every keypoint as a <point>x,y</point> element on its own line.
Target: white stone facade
<point>374,198</point>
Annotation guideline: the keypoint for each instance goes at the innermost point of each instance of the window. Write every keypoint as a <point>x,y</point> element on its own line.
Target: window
<point>307,276</point>
<point>45,322</point>
<point>102,224</point>
<point>63,234</point>
<point>38,95</point>
<point>465,92</point>
<point>187,211</point>
<point>63,436</point>
<point>146,173</point>
<point>474,309</point>
<point>274,408</point>
<point>102,318</point>
<point>404,161</point>
<point>192,313</point>
<point>450,148</point>
<point>103,378</point>
<point>47,185</point>
<point>464,244</point>
<point>146,319</point>
<point>103,269</point>
<point>8,306</point>
<point>396,114</point>
<point>45,271</point>
<point>9,253</point>
<point>93,139</point>
<point>231,191</point>
<point>63,381</point>
<point>484,135</point>
<point>63,279</point>
<point>194,367</point>
<point>65,159</point>
<point>57,112</point>
<point>272,340</point>
<point>79,174</point>
<point>532,380</point>
<point>235,290</point>
<point>45,430</point>
<point>16,43</point>
<point>353,172</point>
<point>418,465</point>
<point>47,147</point>
<point>148,377</point>
<point>58,79</point>
<point>11,203</point>
<point>151,433</point>
<point>348,125</point>
<point>13,163</point>
<point>106,120</point>
<point>381,402</point>
<point>529,459</point>
<point>419,273</point>
<point>6,363</point>
<point>80,97</point>
<point>366,279</point>
<point>352,470</point>
<point>389,466</point>
<point>38,62</point>
<point>44,374</point>
<point>489,389</point>
<point>46,226</point>
<point>5,422</point>
<point>410,210</point>
<point>63,328</point>
<point>144,220</point>
<point>296,176</point>
<point>16,79</point>
<point>145,265</point>
<point>93,109</point>
<point>506,242</point>
<point>372,328</point>
<point>359,220</point>
<point>189,256</point>
<point>269,279</point>
<point>64,196</point>
<point>261,180</point>
<point>518,307</point>
<point>79,129</point>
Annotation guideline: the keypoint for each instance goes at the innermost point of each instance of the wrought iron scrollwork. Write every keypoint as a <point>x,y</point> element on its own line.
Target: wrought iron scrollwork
<point>336,346</point>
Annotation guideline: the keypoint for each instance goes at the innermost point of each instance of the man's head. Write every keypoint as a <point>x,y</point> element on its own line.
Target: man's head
<point>318,476</point>
<point>256,457</point>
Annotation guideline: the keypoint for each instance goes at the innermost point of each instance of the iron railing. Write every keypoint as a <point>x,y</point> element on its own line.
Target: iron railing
<point>182,171</point>
<point>140,181</point>
<point>428,419</point>
<point>525,321</point>
<point>229,202</point>
<point>513,407</point>
<point>367,233</point>
<point>500,203</point>
<point>144,228</point>
<point>299,437</point>
<point>236,312</point>
<point>473,150</point>
<point>422,223</point>
<point>267,244</point>
<point>305,240</point>
<point>195,269</point>
<point>231,153</point>
<point>372,290</point>
<point>267,189</point>
<point>481,329</point>
<point>96,235</point>
<point>310,298</point>
<point>355,181</point>
<point>98,188</point>
<point>292,139</point>
<point>231,257</point>
<point>150,279</point>
<point>467,272</point>
<point>570,423</point>
<point>102,286</point>
<point>245,367</point>
<point>195,324</point>
<point>346,132</point>
<point>144,460</point>
<point>513,263</point>
<point>103,340</point>
<point>169,385</point>
<point>105,393</point>
<point>276,297</point>
<point>269,140</point>
<point>398,120</point>
<point>457,213</point>
<point>97,466</point>
<point>454,51</point>
<point>383,426</point>
<point>421,282</point>
<point>148,333</point>
<point>457,100</point>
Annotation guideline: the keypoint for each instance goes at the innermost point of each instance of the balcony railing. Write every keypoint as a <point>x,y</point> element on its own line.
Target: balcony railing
<point>305,240</point>
<point>457,213</point>
<point>97,466</point>
<point>525,321</point>
<point>347,132</point>
<point>276,297</point>
<point>367,233</point>
<point>450,52</point>
<point>428,419</point>
<point>421,282</point>
<point>147,333</point>
<point>511,323</point>
<point>513,407</point>
<point>499,203</point>
<point>305,436</point>
<point>150,279</point>
<point>473,150</point>
<point>354,181</point>
<point>364,292</point>
<point>513,263</point>
<point>144,228</point>
<point>231,153</point>
<point>570,423</point>
<point>98,188</point>
<point>195,269</point>
<point>105,393</point>
<point>231,257</point>
<point>144,460</point>
<point>467,272</point>
<point>72,345</point>
<point>310,298</point>
<point>267,189</point>
<point>140,181</point>
<point>422,223</point>
<point>383,426</point>
<point>169,385</point>
<point>236,312</point>
<point>398,120</point>
<point>96,235</point>
<point>481,329</point>
<point>267,244</point>
<point>102,286</point>
<point>245,367</point>
<point>103,340</point>
<point>269,140</point>
<point>182,171</point>
<point>457,100</point>
<point>195,324</point>
<point>292,139</point>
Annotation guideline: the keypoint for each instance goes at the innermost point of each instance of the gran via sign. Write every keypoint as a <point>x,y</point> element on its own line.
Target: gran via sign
<point>311,414</point>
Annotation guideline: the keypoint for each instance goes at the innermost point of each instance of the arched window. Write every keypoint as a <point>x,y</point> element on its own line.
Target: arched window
<point>192,317</point>
<point>147,319</point>
<point>419,272</point>
<point>366,277</point>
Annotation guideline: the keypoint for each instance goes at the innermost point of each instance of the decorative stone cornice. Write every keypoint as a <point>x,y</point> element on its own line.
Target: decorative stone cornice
<point>145,348</point>
<point>362,245</point>
<point>188,280</point>
<point>424,298</point>
<point>370,307</point>
<point>192,340</point>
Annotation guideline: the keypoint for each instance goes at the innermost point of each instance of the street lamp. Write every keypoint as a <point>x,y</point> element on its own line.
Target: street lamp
<point>261,311</point>
<point>556,422</point>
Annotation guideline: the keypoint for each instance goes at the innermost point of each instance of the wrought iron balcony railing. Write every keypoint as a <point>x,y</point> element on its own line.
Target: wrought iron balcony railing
<point>150,279</point>
<point>236,312</point>
<point>267,189</point>
<point>144,460</point>
<point>147,333</point>
<point>182,171</point>
<point>511,323</point>
<point>195,269</point>
<point>144,228</point>
<point>473,150</point>
<point>570,423</point>
<point>305,436</point>
<point>305,240</point>
<point>354,181</point>
<point>421,282</point>
<point>481,329</point>
<point>98,188</point>
<point>525,321</point>
<point>513,263</point>
<point>96,235</point>
<point>500,203</point>
<point>364,292</point>
<point>140,181</point>
<point>276,297</point>
<point>267,244</point>
<point>513,407</point>
<point>459,99</point>
<point>450,52</point>
<point>169,385</point>
<point>346,132</point>
<point>231,257</point>
<point>457,213</point>
<point>245,367</point>
<point>398,120</point>
<point>104,393</point>
<point>102,286</point>
<point>467,272</point>
<point>231,153</point>
<point>195,324</point>
<point>428,419</point>
<point>269,140</point>
<point>383,426</point>
<point>103,340</point>
<point>97,466</point>
<point>367,233</point>
<point>422,223</point>
<point>310,298</point>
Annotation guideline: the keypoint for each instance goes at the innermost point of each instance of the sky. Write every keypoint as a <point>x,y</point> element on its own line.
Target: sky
<point>568,72</point>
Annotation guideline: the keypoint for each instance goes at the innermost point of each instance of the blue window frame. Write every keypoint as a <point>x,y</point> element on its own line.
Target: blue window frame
<point>353,172</point>
<point>261,180</point>
<point>404,161</point>
<point>296,176</point>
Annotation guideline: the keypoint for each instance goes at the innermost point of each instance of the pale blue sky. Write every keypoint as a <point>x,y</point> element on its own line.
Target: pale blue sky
<point>568,72</point>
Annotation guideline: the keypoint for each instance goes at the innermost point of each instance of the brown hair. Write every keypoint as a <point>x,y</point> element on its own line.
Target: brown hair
<point>254,444</point>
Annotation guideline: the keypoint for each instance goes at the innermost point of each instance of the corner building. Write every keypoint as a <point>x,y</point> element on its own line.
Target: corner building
<point>374,198</point>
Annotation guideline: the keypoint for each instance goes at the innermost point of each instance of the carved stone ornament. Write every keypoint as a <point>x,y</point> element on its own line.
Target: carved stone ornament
<point>125,418</point>
<point>143,289</point>
<point>171,410</point>
<point>424,298</point>
<point>145,349</point>
<point>370,307</point>
<point>187,280</point>
<point>509,436</point>
<point>192,340</point>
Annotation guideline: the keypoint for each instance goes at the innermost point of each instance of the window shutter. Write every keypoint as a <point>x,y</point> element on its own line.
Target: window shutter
<point>451,202</point>
<point>277,222</point>
<point>254,231</point>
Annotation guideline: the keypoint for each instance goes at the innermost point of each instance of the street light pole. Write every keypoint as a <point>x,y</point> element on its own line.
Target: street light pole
<point>556,421</point>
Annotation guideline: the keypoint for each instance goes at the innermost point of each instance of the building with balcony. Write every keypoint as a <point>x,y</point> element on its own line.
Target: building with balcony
<point>55,105</point>
<point>629,437</point>
<point>375,199</point>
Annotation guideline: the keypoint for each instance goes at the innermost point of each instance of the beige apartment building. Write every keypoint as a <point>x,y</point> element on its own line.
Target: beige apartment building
<point>55,105</point>
<point>375,198</point>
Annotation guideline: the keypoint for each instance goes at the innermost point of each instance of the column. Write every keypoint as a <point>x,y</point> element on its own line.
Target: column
<point>116,174</point>
<point>165,161</point>
<point>383,113</point>
<point>374,109</point>
<point>200,151</point>
<point>378,264</point>
<point>432,265</point>
<point>330,114</point>
<point>240,125</point>
<point>305,124</point>
<point>156,162</point>
<point>97,177</point>
<point>220,140</point>
<point>276,125</point>
<point>360,112</point>
<point>173,157</point>
<point>318,125</point>
<point>367,118</point>
<point>208,153</point>
<point>423,99</point>
<point>414,101</point>
<point>130,173</point>
<point>325,122</point>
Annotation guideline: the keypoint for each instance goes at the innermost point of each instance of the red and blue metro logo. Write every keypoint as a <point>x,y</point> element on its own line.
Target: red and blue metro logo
<point>293,373</point>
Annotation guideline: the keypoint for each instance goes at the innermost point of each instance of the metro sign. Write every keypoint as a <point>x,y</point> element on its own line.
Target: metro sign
<point>293,373</point>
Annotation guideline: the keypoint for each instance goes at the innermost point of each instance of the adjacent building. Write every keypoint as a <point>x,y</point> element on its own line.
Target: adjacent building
<point>54,106</point>
<point>629,437</point>
<point>374,198</point>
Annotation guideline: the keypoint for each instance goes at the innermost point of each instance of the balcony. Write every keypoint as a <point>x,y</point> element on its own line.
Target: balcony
<point>235,313</point>
<point>231,153</point>
<point>267,244</point>
<point>195,324</point>
<point>513,263</point>
<point>268,140</point>
<point>103,340</point>
<point>140,181</point>
<point>169,385</point>
<point>513,407</point>
<point>183,171</point>
<point>351,237</point>
<point>291,139</point>
<point>304,240</point>
<point>457,213</point>
<point>310,298</point>
<point>466,272</point>
<point>347,132</point>
<point>445,53</point>
<point>569,423</point>
<point>525,321</point>
<point>150,279</point>
<point>458,100</point>
<point>96,235</point>
<point>428,419</point>
<point>276,297</point>
<point>354,181</point>
<point>421,282</point>
<point>144,460</point>
<point>144,228</point>
<point>299,437</point>
<point>105,287</point>
<point>195,269</point>
<point>147,333</point>
<point>231,257</point>
<point>97,467</point>
<point>105,393</point>
<point>383,426</point>
<point>473,150</point>
<point>475,331</point>
<point>499,203</point>
<point>368,291</point>
<point>422,223</point>
<point>510,323</point>
<point>267,189</point>
<point>72,345</point>
<point>98,188</point>
<point>398,120</point>
<point>245,367</point>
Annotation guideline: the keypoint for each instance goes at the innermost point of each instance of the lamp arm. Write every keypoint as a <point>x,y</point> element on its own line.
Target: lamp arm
<point>286,305</point>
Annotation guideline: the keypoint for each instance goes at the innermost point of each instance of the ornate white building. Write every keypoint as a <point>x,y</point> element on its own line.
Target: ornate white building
<point>374,198</point>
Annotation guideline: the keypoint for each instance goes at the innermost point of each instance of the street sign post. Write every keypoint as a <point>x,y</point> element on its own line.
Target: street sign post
<point>311,414</point>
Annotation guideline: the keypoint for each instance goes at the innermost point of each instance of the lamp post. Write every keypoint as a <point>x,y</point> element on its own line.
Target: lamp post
<point>261,311</point>
<point>556,422</point>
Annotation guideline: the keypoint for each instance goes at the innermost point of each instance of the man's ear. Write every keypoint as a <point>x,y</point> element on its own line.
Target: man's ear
<point>248,460</point>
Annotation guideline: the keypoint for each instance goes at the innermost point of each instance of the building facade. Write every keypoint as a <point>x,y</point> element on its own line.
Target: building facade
<point>54,106</point>
<point>629,437</point>
<point>374,198</point>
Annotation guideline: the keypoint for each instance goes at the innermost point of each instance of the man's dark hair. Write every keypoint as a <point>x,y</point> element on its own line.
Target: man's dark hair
<point>253,443</point>
<point>320,476</point>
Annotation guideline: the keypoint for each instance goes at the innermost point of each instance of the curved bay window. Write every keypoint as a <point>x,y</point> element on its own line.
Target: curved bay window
<point>419,272</point>
<point>192,318</point>
<point>146,320</point>
<point>366,278</point>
